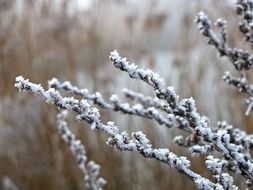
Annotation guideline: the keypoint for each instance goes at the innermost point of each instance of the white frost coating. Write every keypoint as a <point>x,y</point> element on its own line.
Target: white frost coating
<point>178,139</point>
<point>138,107</point>
<point>147,75</point>
<point>145,100</point>
<point>204,184</point>
<point>244,86</point>
<point>90,169</point>
<point>114,98</point>
<point>201,149</point>
<point>115,104</point>
<point>183,112</point>
<point>186,110</point>
<point>121,141</point>
<point>217,167</point>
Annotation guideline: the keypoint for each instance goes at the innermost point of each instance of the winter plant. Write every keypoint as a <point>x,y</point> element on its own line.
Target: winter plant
<point>226,149</point>
<point>90,169</point>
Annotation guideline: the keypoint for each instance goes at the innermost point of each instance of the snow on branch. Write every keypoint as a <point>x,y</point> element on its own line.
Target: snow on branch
<point>90,169</point>
<point>186,109</point>
<point>244,9</point>
<point>138,142</point>
<point>148,76</point>
<point>242,60</point>
<point>145,100</point>
<point>243,86</point>
<point>217,167</point>
<point>204,138</point>
<point>241,83</point>
<point>115,103</point>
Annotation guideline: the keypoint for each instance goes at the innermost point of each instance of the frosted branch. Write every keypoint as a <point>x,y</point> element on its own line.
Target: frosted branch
<point>115,104</point>
<point>121,141</point>
<point>187,110</point>
<point>241,59</point>
<point>148,76</point>
<point>244,9</point>
<point>145,100</point>
<point>217,167</point>
<point>241,83</point>
<point>90,169</point>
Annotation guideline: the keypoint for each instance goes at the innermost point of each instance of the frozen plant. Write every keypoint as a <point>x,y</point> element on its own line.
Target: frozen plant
<point>119,140</point>
<point>90,169</point>
<point>242,60</point>
<point>227,149</point>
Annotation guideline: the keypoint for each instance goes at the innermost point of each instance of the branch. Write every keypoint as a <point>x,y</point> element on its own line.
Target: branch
<point>186,109</point>
<point>115,104</point>
<point>121,141</point>
<point>90,169</point>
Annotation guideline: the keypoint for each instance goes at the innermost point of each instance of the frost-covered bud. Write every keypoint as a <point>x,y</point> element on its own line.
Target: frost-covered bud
<point>221,23</point>
<point>203,23</point>
<point>201,149</point>
<point>179,140</point>
<point>215,165</point>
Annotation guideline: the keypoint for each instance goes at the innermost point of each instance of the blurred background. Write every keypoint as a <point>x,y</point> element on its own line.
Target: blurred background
<point>71,40</point>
